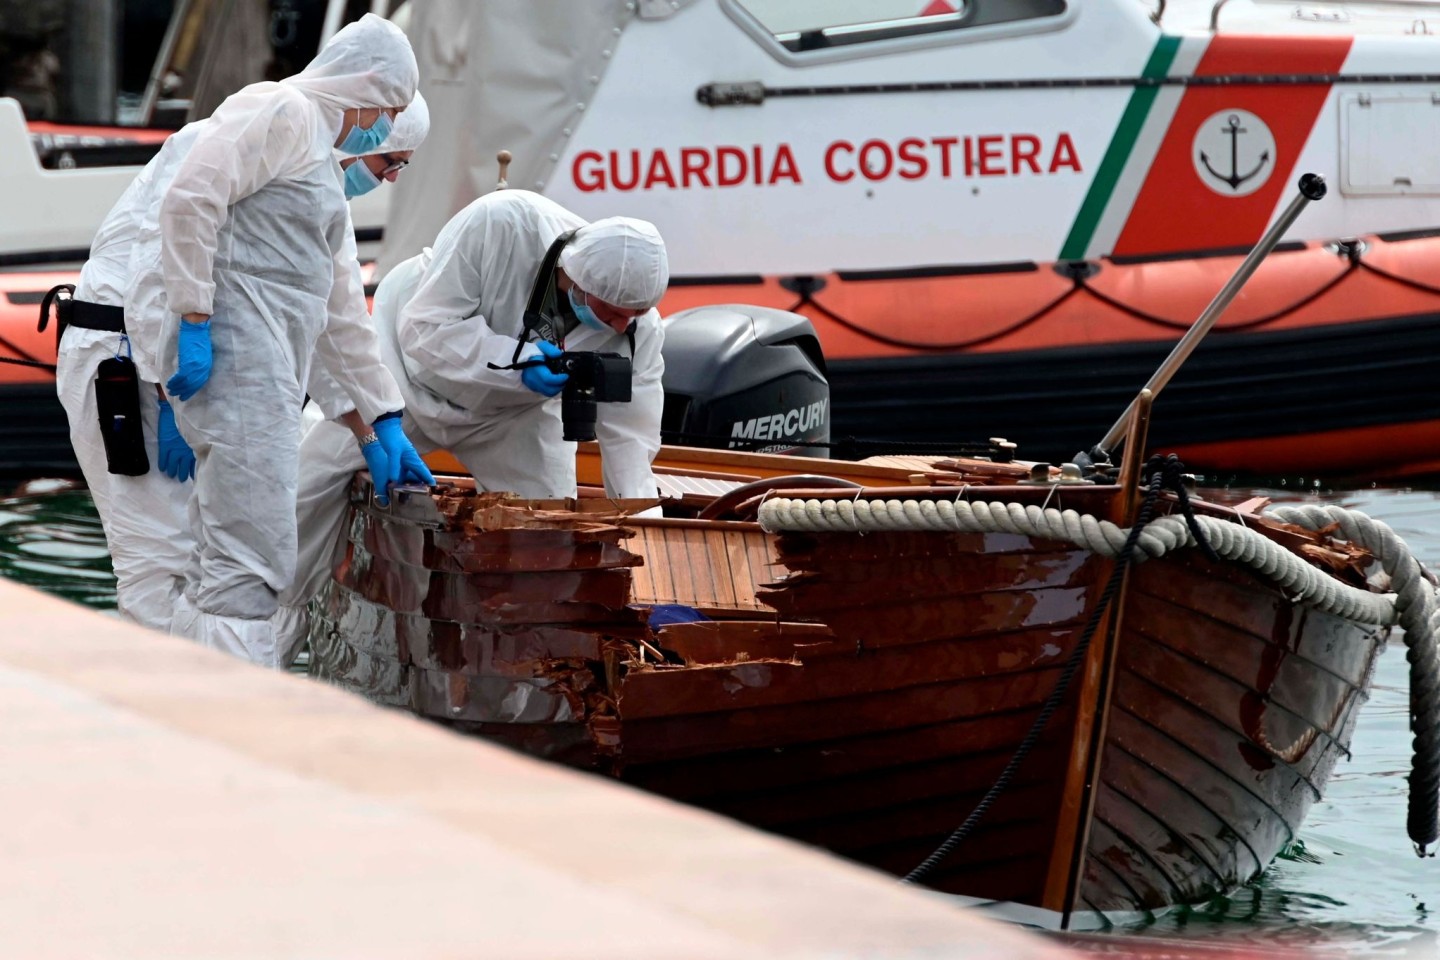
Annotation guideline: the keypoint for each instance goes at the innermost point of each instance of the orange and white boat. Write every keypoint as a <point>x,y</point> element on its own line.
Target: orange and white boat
<point>997,215</point>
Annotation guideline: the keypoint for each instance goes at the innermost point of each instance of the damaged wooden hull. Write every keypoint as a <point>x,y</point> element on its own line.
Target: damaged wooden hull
<point>862,693</point>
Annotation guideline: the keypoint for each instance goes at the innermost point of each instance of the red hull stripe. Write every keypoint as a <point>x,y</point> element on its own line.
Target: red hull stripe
<point>1174,192</point>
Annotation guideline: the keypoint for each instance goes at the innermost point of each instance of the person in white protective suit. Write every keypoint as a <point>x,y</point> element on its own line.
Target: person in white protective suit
<point>445,315</point>
<point>242,272</point>
<point>145,517</point>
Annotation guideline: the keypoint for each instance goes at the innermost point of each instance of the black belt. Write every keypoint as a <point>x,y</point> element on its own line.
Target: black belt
<point>70,312</point>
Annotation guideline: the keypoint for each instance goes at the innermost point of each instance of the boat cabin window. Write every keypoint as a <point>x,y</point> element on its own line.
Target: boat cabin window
<point>155,63</point>
<point>805,28</point>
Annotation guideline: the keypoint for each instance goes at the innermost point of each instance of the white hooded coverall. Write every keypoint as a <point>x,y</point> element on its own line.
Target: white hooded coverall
<point>442,317</point>
<point>146,518</point>
<point>252,229</point>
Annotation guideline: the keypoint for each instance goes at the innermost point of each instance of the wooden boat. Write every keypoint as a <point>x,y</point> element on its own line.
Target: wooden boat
<point>863,692</point>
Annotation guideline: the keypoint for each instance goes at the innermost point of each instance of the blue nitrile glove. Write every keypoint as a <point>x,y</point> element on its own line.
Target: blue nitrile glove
<point>377,461</point>
<point>194,367</point>
<point>402,460</point>
<point>177,460</point>
<point>542,379</point>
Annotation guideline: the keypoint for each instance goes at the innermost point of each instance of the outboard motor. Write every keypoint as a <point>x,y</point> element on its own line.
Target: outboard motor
<point>745,378</point>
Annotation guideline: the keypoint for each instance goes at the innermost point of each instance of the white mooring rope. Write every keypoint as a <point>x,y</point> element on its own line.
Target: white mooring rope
<point>1231,540</point>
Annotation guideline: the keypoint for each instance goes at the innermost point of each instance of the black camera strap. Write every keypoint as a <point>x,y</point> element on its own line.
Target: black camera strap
<point>536,322</point>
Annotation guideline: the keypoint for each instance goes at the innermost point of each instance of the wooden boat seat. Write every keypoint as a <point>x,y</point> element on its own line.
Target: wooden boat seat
<point>713,567</point>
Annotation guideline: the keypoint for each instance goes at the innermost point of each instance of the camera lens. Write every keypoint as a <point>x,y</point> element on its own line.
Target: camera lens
<point>577,412</point>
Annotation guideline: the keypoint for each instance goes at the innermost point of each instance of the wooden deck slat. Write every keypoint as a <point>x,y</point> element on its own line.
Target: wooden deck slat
<point>722,576</point>
<point>681,572</point>
<point>652,581</point>
<point>702,569</point>
<point>698,567</point>
<point>743,577</point>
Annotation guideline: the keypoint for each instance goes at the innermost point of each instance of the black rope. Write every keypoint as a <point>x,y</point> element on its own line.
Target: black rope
<point>39,364</point>
<point>1396,278</point>
<point>1422,819</point>
<point>1269,318</point>
<point>1160,471</point>
<point>1082,284</point>
<point>23,354</point>
<point>1175,481</point>
<point>807,300</point>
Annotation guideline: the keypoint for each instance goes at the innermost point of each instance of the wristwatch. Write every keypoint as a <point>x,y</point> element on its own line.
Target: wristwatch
<point>368,439</point>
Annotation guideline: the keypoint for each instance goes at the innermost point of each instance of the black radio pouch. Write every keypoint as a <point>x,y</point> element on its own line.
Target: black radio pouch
<point>117,397</point>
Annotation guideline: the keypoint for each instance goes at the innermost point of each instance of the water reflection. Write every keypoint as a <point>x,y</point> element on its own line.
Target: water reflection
<point>50,537</point>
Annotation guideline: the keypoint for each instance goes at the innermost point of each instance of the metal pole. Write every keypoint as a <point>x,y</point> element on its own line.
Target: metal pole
<point>93,30</point>
<point>162,61</point>
<point>1312,187</point>
<point>334,10</point>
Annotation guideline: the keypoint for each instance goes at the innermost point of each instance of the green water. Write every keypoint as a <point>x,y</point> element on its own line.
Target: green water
<point>50,538</point>
<point>1352,881</point>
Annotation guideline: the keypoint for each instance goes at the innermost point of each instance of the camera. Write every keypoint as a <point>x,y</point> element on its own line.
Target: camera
<point>594,378</point>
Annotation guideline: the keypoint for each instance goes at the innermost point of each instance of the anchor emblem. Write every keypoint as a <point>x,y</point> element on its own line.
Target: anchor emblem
<point>1225,131</point>
<point>1233,128</point>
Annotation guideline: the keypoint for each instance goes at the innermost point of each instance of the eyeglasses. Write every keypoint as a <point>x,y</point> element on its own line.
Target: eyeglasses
<point>395,167</point>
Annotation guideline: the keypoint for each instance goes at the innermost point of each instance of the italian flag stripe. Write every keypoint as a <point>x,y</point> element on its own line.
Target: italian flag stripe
<point>1118,152</point>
